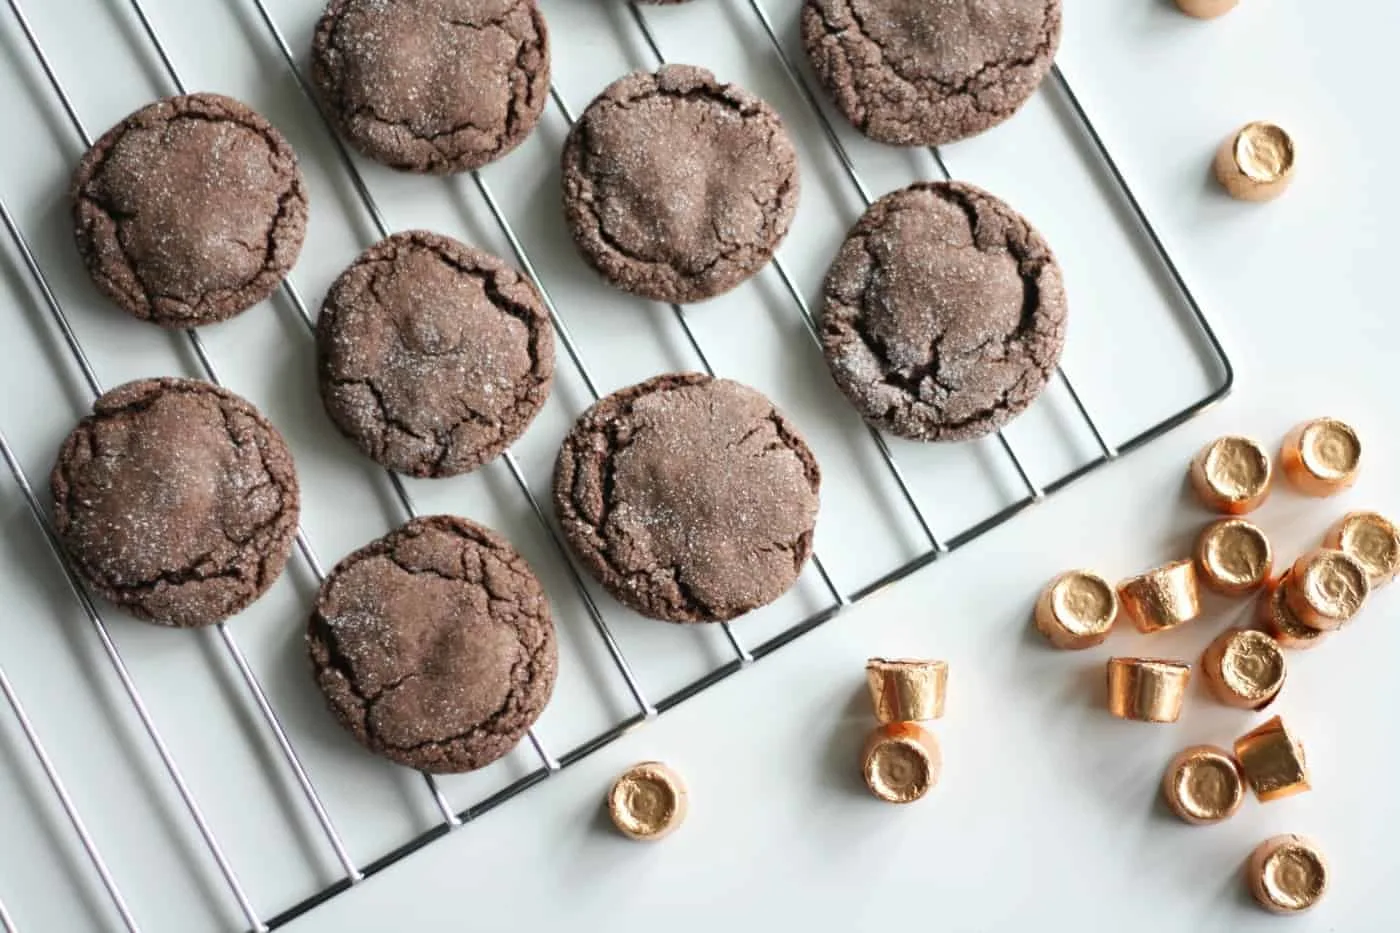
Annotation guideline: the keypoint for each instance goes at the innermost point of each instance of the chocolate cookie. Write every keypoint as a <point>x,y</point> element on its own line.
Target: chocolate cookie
<point>677,187</point>
<point>434,356</point>
<point>434,646</point>
<point>176,500</point>
<point>189,211</point>
<point>691,499</point>
<point>434,86</point>
<point>945,313</point>
<point>914,73</point>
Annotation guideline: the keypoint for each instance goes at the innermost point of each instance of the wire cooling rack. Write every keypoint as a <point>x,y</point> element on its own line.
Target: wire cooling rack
<point>834,597</point>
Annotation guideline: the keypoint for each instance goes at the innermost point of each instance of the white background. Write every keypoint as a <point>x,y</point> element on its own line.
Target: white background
<point>1048,812</point>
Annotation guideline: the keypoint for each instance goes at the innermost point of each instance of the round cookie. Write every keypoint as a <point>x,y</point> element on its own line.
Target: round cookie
<point>177,500</point>
<point>189,211</point>
<point>915,73</point>
<point>944,313</point>
<point>433,645</point>
<point>432,86</point>
<point>433,356</point>
<point>691,499</point>
<point>677,187</point>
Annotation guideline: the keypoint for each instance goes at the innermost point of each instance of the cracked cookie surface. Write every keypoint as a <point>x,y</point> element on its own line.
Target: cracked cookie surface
<point>433,645</point>
<point>433,86</point>
<point>433,356</point>
<point>691,499</point>
<point>189,211</point>
<point>677,187</point>
<point>177,500</point>
<point>944,313</point>
<point>928,72</point>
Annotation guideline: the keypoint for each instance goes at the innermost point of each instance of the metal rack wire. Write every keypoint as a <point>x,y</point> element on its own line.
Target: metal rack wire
<point>646,708</point>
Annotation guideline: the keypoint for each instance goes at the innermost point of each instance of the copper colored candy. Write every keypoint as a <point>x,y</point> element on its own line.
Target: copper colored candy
<point>907,690</point>
<point>1076,610</point>
<point>1206,9</point>
<point>648,801</point>
<point>1326,589</point>
<point>1232,475</point>
<point>1203,785</point>
<point>1272,761</point>
<point>1256,162</point>
<point>901,762</point>
<point>1245,668</point>
<point>1147,689</point>
<point>1321,457</point>
<point>1287,874</point>
<point>1372,539</point>
<point>1163,598</point>
<point>1233,556</point>
<point>1280,621</point>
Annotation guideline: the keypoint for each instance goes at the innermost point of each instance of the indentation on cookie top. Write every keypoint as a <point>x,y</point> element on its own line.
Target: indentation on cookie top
<point>177,500</point>
<point>678,187</point>
<point>691,499</point>
<point>435,86</point>
<point>189,211</point>
<point>919,72</point>
<point>945,313</point>
<point>434,356</point>
<point>434,645</point>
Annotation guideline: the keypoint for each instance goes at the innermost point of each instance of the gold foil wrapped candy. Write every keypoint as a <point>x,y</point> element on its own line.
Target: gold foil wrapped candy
<point>1203,785</point>
<point>1233,556</point>
<point>1163,598</point>
<point>648,801</point>
<point>1147,689</point>
<point>901,762</point>
<point>1077,610</point>
<point>907,690</point>
<point>1279,621</point>
<point>1321,457</point>
<point>1326,589</point>
<point>1256,163</point>
<point>1232,475</point>
<point>1287,874</point>
<point>1372,539</point>
<point>1272,761</point>
<point>1244,668</point>
<point>1206,9</point>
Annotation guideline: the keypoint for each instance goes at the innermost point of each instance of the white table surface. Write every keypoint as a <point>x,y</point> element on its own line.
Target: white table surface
<point>1047,815</point>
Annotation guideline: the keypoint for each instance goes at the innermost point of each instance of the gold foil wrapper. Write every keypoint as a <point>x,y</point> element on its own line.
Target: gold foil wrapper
<point>1279,621</point>
<point>1163,598</point>
<point>1203,784</point>
<point>1287,874</point>
<point>1232,475</point>
<point>1326,589</point>
<point>648,801</point>
<point>1077,610</point>
<point>1206,9</point>
<point>901,762</point>
<point>1147,689</point>
<point>1321,457</point>
<point>1273,762</point>
<point>1233,556</point>
<point>907,690</point>
<point>1245,668</point>
<point>1372,539</point>
<point>1256,163</point>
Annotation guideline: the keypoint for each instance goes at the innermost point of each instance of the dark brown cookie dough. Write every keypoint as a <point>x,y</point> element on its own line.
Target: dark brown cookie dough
<point>678,187</point>
<point>945,313</point>
<point>176,500</point>
<point>435,86</point>
<point>434,356</point>
<point>189,211</point>
<point>434,646</point>
<point>923,73</point>
<point>690,499</point>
